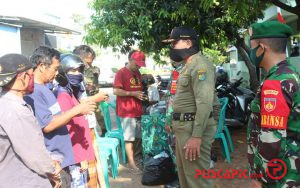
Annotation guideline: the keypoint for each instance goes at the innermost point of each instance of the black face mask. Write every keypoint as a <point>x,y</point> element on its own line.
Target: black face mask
<point>178,55</point>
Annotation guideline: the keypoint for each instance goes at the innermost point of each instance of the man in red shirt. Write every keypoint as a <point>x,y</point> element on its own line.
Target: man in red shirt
<point>128,89</point>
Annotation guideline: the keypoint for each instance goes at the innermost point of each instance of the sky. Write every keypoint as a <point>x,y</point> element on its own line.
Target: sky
<point>59,12</point>
<point>46,10</point>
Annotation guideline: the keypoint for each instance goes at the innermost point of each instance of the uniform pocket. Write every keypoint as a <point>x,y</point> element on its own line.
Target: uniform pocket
<point>182,126</point>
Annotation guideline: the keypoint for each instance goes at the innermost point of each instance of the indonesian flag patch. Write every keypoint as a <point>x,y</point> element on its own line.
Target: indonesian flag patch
<point>274,109</point>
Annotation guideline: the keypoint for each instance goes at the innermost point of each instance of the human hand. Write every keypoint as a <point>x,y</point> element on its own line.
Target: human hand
<point>84,165</point>
<point>55,178</point>
<point>192,148</point>
<point>86,107</point>
<point>101,96</point>
<point>57,167</point>
<point>139,95</point>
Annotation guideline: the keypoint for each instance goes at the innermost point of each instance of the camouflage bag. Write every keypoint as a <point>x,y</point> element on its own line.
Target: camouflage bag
<point>154,135</point>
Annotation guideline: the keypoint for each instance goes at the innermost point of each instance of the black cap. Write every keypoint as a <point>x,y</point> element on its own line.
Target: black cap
<point>181,33</point>
<point>11,65</point>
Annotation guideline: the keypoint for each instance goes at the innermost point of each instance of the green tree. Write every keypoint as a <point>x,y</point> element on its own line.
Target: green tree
<point>125,23</point>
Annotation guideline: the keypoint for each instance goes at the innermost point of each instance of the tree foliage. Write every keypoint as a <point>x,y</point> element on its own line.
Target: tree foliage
<point>122,24</point>
<point>125,23</point>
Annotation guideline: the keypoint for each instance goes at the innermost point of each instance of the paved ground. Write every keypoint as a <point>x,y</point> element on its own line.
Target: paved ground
<point>238,157</point>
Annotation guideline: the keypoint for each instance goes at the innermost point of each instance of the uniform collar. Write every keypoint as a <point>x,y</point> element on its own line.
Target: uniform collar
<point>275,67</point>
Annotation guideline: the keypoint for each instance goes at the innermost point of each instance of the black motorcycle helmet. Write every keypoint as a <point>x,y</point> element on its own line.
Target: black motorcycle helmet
<point>221,77</point>
<point>68,62</point>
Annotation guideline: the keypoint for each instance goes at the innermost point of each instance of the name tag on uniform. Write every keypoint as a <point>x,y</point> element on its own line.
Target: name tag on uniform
<point>55,108</point>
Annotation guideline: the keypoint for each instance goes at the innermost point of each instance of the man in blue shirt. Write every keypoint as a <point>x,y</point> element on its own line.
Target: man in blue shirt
<point>48,112</point>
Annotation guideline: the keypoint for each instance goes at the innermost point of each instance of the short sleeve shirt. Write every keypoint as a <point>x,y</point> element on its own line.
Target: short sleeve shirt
<point>78,129</point>
<point>128,106</point>
<point>45,106</point>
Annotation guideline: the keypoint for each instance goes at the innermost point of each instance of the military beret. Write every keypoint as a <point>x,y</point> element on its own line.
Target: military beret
<point>269,29</point>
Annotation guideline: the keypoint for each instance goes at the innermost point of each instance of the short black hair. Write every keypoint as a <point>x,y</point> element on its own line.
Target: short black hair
<point>277,45</point>
<point>130,54</point>
<point>44,54</point>
<point>84,50</point>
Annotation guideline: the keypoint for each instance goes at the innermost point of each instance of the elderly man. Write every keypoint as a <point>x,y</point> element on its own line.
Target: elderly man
<point>24,160</point>
<point>48,112</point>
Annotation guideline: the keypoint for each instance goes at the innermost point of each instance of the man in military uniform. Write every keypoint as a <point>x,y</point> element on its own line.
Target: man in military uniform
<point>273,129</point>
<point>91,73</point>
<point>193,121</point>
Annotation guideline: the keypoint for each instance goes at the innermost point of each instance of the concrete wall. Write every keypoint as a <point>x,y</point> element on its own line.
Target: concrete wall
<point>30,40</point>
<point>9,39</point>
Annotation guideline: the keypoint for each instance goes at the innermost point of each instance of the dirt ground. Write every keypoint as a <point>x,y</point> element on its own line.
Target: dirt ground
<point>238,161</point>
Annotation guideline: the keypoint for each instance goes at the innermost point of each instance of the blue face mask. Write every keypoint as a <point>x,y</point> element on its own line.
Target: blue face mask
<point>75,80</point>
<point>254,59</point>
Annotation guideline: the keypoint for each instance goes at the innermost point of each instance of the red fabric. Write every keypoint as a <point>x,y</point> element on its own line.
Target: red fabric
<point>279,17</point>
<point>274,109</point>
<point>139,58</point>
<point>175,75</point>
<point>129,81</point>
<point>78,129</point>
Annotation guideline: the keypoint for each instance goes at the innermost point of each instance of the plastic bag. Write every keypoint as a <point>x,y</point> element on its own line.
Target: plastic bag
<point>159,170</point>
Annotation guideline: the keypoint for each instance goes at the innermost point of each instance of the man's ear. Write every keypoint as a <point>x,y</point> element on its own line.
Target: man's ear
<point>21,75</point>
<point>264,46</point>
<point>41,67</point>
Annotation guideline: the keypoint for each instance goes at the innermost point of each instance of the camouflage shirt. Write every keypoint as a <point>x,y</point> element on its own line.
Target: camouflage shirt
<point>91,75</point>
<point>274,128</point>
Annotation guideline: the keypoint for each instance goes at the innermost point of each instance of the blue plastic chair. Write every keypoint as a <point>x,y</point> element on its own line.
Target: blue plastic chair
<point>113,133</point>
<point>106,152</point>
<point>113,145</point>
<point>227,133</point>
<point>221,127</point>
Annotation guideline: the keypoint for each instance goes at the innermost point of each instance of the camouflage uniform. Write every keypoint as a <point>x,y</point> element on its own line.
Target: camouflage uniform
<point>91,74</point>
<point>276,105</point>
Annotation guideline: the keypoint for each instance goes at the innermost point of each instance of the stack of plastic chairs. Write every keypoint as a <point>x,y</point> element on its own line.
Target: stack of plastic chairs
<point>108,149</point>
<point>113,133</point>
<point>222,130</point>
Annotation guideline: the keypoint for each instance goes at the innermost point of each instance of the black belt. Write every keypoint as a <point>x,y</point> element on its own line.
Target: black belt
<point>186,116</point>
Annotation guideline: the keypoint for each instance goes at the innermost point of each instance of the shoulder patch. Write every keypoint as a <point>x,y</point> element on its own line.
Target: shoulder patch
<point>202,73</point>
